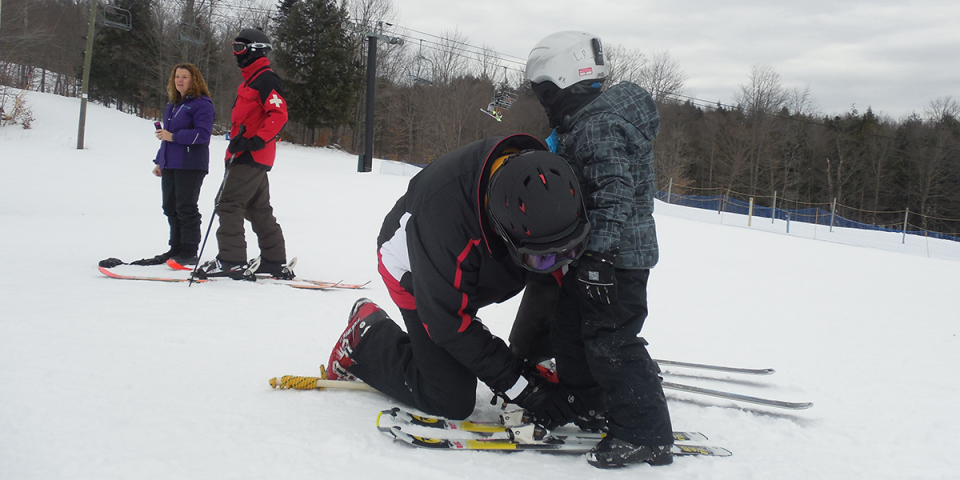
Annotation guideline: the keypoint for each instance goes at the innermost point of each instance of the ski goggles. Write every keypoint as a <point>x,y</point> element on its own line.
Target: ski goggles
<point>239,48</point>
<point>551,253</point>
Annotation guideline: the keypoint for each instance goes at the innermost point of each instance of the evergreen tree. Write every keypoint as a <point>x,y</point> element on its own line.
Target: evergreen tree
<point>120,70</point>
<point>322,76</point>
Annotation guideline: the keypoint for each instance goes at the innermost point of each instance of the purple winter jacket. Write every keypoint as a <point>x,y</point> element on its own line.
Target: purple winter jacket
<point>190,122</point>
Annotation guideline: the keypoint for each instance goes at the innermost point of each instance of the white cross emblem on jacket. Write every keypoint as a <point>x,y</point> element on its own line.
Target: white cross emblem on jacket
<point>276,100</point>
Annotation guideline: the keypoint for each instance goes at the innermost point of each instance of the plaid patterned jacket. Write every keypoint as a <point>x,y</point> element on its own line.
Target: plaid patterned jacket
<point>609,145</point>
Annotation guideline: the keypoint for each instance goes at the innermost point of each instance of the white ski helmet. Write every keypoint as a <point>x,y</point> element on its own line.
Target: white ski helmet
<point>566,58</point>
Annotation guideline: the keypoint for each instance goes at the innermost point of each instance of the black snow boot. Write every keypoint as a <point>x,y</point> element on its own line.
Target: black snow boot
<point>187,255</point>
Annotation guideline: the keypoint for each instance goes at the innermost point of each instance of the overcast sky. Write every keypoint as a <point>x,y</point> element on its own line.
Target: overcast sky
<point>893,56</point>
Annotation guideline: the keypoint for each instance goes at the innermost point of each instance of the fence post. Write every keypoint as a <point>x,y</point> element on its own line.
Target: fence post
<point>750,213</point>
<point>723,200</point>
<point>773,212</point>
<point>788,222</point>
<point>833,213</point>
<point>906,214</point>
<point>669,189</point>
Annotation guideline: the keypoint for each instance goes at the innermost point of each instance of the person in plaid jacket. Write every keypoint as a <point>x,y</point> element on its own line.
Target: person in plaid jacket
<point>606,137</point>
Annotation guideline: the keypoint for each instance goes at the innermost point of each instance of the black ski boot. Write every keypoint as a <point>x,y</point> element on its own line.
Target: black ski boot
<point>222,268</point>
<point>278,270</point>
<point>613,452</point>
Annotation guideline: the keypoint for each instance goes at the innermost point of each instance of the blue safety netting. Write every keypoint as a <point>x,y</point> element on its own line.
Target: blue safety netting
<point>816,215</point>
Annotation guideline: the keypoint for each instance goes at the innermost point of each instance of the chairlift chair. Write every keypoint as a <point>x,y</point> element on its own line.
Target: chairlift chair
<point>421,69</point>
<point>502,100</point>
<point>116,17</point>
<point>190,34</point>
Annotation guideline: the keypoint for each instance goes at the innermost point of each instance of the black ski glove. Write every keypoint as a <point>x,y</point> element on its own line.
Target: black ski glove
<point>111,262</point>
<point>157,260</point>
<point>243,144</point>
<point>551,404</point>
<point>595,277</point>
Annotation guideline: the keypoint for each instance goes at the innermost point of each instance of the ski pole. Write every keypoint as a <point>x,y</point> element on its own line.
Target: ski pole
<point>216,203</point>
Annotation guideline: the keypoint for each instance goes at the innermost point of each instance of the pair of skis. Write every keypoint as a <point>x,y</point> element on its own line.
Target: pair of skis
<point>295,283</point>
<point>724,394</point>
<point>514,432</point>
<point>310,383</point>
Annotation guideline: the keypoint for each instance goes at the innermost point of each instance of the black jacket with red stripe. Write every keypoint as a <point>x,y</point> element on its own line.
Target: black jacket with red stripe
<point>261,108</point>
<point>438,255</point>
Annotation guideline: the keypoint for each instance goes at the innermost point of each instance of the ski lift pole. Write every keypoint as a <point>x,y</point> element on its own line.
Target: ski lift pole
<point>366,162</point>
<point>87,59</point>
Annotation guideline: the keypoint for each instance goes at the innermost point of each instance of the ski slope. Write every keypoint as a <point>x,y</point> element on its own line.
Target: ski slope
<point>111,379</point>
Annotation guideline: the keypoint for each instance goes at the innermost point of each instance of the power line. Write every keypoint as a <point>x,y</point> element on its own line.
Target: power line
<point>506,57</point>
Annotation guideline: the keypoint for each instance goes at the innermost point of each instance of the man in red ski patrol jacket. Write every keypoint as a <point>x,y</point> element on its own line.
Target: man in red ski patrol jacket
<point>259,113</point>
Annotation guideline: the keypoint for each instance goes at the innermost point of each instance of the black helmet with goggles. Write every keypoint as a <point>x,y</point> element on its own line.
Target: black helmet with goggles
<point>535,206</point>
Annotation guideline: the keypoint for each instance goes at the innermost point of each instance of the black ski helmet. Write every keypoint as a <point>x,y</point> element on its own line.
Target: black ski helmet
<point>535,205</point>
<point>256,40</point>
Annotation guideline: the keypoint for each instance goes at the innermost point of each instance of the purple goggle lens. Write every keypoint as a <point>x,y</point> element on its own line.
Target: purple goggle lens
<point>545,262</point>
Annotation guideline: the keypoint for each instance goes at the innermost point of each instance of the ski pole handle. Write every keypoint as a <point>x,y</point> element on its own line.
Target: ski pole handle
<point>243,128</point>
<point>292,382</point>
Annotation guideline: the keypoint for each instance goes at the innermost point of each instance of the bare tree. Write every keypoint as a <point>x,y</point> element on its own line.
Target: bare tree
<point>764,94</point>
<point>662,76</point>
<point>942,108</point>
<point>449,56</point>
<point>626,64</point>
<point>673,153</point>
<point>800,102</point>
<point>490,64</point>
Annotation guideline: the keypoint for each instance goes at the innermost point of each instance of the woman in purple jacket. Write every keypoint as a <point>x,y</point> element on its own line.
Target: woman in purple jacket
<point>183,159</point>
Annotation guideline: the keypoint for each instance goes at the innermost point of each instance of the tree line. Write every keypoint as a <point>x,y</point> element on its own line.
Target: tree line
<point>771,142</point>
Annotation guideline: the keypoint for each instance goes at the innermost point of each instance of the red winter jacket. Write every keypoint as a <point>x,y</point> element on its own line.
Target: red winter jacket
<point>261,108</point>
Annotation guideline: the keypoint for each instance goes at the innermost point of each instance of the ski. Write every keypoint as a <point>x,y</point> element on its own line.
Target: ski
<point>176,266</point>
<point>319,383</point>
<point>346,286</point>
<point>524,437</point>
<point>111,274</point>
<point>308,284</point>
<point>498,429</point>
<point>717,368</point>
<point>262,281</point>
<point>736,396</point>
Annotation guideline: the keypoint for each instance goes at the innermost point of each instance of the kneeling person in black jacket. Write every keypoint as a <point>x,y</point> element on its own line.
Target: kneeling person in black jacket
<point>469,230</point>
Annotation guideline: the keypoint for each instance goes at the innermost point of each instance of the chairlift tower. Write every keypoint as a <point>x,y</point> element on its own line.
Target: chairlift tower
<point>365,163</point>
<point>113,17</point>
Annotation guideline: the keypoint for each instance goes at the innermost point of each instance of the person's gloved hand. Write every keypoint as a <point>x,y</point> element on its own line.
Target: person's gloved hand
<point>552,405</point>
<point>595,277</point>
<point>243,144</point>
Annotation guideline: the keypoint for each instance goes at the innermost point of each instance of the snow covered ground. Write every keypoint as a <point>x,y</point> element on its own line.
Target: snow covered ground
<point>110,379</point>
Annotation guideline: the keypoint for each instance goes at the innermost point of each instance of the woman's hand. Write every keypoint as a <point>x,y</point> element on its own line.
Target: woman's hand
<point>164,135</point>
<point>156,170</point>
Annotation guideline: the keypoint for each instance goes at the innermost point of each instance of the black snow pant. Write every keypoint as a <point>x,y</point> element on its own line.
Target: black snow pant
<point>598,351</point>
<point>530,335</point>
<point>181,192</point>
<point>246,195</point>
<point>413,369</point>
